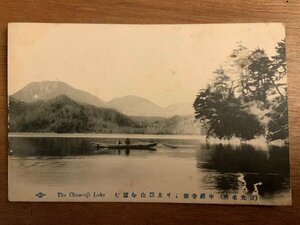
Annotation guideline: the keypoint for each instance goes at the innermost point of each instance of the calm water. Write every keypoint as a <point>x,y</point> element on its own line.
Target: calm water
<point>39,163</point>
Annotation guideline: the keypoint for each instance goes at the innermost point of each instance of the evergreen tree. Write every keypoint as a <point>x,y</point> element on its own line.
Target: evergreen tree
<point>234,107</point>
<point>222,114</point>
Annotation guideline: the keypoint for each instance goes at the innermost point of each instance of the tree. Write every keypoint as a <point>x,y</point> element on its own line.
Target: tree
<point>263,81</point>
<point>222,114</point>
<point>278,123</point>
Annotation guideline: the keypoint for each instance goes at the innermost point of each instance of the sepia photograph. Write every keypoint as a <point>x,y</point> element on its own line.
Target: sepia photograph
<point>182,113</point>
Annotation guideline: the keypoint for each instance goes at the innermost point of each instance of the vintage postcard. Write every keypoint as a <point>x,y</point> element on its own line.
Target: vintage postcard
<point>148,113</point>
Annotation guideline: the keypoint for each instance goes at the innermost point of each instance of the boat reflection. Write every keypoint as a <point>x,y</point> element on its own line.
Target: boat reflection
<point>56,147</point>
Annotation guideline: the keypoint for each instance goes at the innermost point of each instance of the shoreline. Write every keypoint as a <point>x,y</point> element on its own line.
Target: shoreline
<point>235,141</point>
<point>106,135</point>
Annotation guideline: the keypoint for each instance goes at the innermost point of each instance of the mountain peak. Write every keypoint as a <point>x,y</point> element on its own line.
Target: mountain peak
<point>181,109</point>
<point>137,106</point>
<point>46,90</point>
<point>131,99</point>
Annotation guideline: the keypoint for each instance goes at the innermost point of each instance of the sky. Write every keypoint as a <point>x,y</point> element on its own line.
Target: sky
<point>166,64</point>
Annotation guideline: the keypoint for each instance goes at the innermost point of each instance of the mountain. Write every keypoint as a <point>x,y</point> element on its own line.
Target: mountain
<point>181,109</point>
<point>136,106</point>
<point>64,115</point>
<point>46,90</point>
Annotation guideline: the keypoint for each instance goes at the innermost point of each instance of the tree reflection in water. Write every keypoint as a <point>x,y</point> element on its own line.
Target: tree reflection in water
<point>246,167</point>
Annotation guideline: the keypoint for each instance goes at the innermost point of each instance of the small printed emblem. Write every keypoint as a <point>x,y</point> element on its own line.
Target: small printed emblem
<point>40,195</point>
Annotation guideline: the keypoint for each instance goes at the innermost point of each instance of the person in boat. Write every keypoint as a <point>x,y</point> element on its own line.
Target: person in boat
<point>127,141</point>
<point>119,142</point>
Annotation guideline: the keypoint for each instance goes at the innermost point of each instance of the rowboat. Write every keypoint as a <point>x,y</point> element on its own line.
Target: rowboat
<point>139,146</point>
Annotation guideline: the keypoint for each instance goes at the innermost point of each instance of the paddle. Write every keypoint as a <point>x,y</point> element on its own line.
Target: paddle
<point>170,146</point>
<point>167,145</point>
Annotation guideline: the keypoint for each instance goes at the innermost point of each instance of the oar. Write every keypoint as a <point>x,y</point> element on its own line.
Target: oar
<point>167,145</point>
<point>170,146</point>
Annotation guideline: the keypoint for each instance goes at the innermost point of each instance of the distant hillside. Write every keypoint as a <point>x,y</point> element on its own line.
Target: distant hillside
<point>136,106</point>
<point>181,109</point>
<point>63,115</point>
<point>46,90</point>
<point>171,125</point>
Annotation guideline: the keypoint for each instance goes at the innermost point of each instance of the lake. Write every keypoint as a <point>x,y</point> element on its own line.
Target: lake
<point>70,168</point>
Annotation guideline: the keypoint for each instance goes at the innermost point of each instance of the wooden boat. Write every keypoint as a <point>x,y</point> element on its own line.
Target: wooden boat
<point>139,146</point>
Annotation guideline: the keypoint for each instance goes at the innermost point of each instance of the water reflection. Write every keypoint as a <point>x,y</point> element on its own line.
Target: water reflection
<point>62,147</point>
<point>27,147</point>
<point>246,167</point>
<point>218,167</point>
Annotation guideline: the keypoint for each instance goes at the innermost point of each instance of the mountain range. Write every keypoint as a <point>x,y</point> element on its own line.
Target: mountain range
<point>129,105</point>
<point>64,115</point>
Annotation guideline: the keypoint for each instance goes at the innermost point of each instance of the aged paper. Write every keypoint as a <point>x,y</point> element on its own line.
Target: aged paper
<point>148,113</point>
